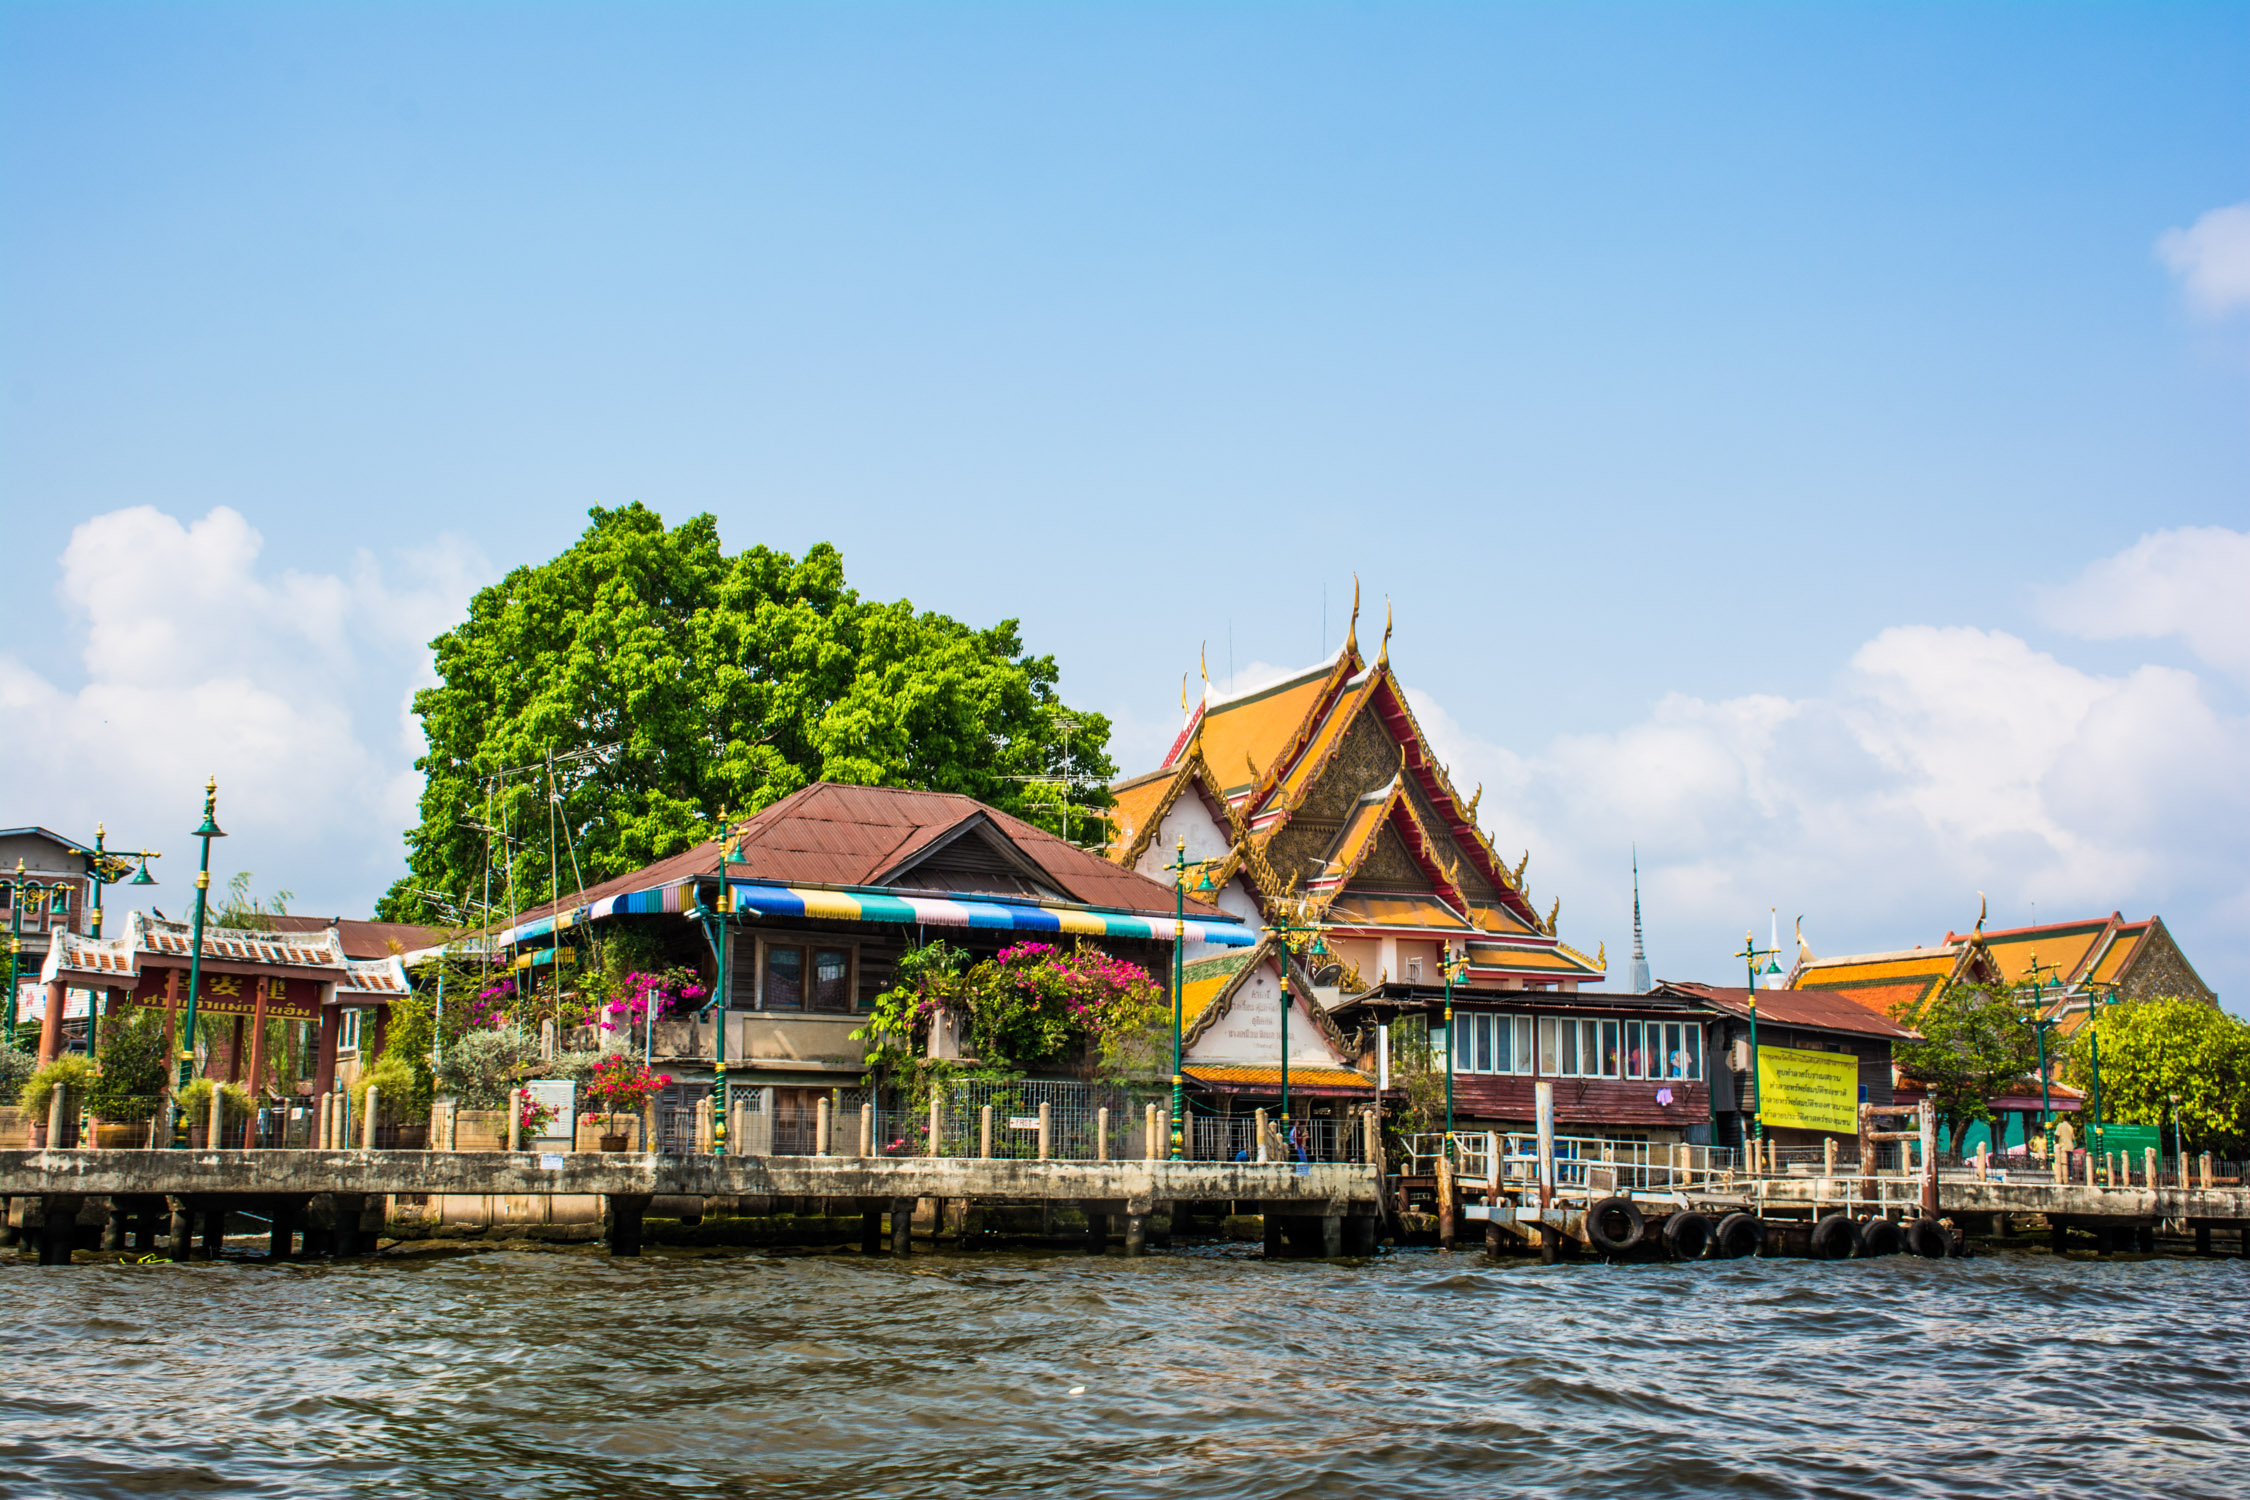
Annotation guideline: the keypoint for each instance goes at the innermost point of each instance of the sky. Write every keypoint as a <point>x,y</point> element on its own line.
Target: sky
<point>1804,444</point>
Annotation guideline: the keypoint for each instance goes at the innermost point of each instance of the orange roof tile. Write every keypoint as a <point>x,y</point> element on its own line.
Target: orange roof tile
<point>2122,946</point>
<point>2068,948</point>
<point>1258,728</point>
<point>1310,1075</point>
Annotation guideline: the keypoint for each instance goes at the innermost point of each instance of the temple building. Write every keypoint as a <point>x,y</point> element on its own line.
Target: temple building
<point>1319,797</point>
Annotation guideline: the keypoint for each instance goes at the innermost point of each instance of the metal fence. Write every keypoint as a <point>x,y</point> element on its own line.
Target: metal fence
<point>1320,1138</point>
<point>1073,1114</point>
<point>1506,1159</point>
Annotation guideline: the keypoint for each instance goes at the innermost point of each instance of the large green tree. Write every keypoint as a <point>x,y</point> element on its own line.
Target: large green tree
<point>2164,1048</point>
<point>724,683</point>
<point>1973,1046</point>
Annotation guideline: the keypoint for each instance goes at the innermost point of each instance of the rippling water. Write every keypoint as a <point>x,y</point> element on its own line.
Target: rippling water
<point>1191,1374</point>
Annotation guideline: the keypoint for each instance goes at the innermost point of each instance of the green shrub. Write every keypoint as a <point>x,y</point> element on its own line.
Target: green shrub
<point>133,1071</point>
<point>16,1067</point>
<point>402,1090</point>
<point>72,1070</point>
<point>195,1100</point>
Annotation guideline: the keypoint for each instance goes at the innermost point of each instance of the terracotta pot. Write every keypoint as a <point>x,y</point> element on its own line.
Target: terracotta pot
<point>615,1142</point>
<point>38,1137</point>
<point>121,1137</point>
<point>198,1136</point>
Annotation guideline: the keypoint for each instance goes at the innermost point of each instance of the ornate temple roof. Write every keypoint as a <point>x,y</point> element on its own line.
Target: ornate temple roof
<point>1268,764</point>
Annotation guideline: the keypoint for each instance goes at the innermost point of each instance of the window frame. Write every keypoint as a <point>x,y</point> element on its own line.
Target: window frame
<point>807,945</point>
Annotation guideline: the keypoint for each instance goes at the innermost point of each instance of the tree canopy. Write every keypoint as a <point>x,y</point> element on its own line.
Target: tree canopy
<point>1973,1046</point>
<point>2153,1050</point>
<point>722,684</point>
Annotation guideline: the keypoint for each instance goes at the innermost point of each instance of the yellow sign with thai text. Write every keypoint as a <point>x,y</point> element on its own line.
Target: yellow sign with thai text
<point>1799,1090</point>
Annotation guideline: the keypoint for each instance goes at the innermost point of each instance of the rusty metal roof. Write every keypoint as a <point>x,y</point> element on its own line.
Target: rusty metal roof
<point>1815,1010</point>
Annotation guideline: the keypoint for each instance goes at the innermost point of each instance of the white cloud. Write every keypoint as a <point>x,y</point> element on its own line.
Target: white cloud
<point>1942,762</point>
<point>197,662</point>
<point>2212,259</point>
<point>2193,583</point>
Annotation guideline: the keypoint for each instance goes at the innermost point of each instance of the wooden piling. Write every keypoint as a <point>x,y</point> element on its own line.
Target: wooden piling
<point>902,1227</point>
<point>177,1238</point>
<point>820,1126</point>
<point>58,1111</point>
<point>1260,1127</point>
<point>1155,1144</point>
<point>984,1132</point>
<point>867,1130</point>
<point>1136,1233</point>
<point>1046,1130</point>
<point>2148,1162</point>
<point>1331,1236</point>
<point>937,1124</point>
<point>1448,1211</point>
<point>2203,1168</point>
<point>1101,1133</point>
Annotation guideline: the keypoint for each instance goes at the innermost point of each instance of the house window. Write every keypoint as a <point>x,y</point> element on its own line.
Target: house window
<point>348,1038</point>
<point>1676,1050</point>
<point>1550,1046</point>
<point>784,987</point>
<point>1613,1060</point>
<point>1414,968</point>
<point>807,977</point>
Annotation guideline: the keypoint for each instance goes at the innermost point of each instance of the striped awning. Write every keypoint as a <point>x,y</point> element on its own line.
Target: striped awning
<point>1001,916</point>
<point>767,900</point>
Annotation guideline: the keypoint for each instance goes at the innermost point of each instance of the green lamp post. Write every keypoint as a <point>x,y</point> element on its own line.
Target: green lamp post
<point>16,889</point>
<point>108,866</point>
<point>1453,966</point>
<point>715,925</point>
<point>1290,932</point>
<point>2095,1000</point>
<point>209,831</point>
<point>1750,955</point>
<point>2040,1025</point>
<point>1179,867</point>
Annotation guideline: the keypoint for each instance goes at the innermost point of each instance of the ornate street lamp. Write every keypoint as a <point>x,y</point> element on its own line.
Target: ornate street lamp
<point>1750,955</point>
<point>2095,1000</point>
<point>1179,867</point>
<point>1291,935</point>
<point>16,889</point>
<point>715,925</point>
<point>108,866</point>
<point>209,831</point>
<point>2040,1025</point>
<point>1453,966</point>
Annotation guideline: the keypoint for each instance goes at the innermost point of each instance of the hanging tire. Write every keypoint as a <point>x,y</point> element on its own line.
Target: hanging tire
<point>1878,1237</point>
<point>1738,1235</point>
<point>1834,1238</point>
<point>1687,1235</point>
<point>1928,1239</point>
<point>1615,1225</point>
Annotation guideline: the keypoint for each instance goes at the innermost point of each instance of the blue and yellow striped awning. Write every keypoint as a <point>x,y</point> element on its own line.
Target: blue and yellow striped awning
<point>765,900</point>
<point>999,916</point>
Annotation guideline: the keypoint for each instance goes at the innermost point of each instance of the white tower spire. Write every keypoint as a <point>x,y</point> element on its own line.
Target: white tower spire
<point>1641,985</point>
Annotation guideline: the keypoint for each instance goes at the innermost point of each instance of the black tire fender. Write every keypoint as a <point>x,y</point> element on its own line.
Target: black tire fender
<point>1738,1235</point>
<point>1928,1239</point>
<point>1880,1236</point>
<point>1615,1225</point>
<point>1687,1235</point>
<point>1834,1237</point>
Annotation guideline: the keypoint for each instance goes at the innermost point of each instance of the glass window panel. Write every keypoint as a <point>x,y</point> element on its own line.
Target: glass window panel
<point>1523,1044</point>
<point>1612,1065</point>
<point>1503,1053</point>
<point>1695,1052</point>
<point>1569,1049</point>
<point>832,972</point>
<point>1550,1060</point>
<point>785,979</point>
<point>1634,1067</point>
<point>1673,1059</point>
<point>1484,1044</point>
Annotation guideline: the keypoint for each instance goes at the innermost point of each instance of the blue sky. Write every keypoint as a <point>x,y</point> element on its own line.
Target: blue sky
<point>1732,400</point>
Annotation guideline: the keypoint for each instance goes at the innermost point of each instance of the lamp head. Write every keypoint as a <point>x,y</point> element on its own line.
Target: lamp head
<point>210,828</point>
<point>142,876</point>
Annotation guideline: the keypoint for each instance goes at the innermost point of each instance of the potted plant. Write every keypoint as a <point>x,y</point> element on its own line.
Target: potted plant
<point>194,1102</point>
<point>72,1073</point>
<point>533,1115</point>
<point>621,1085</point>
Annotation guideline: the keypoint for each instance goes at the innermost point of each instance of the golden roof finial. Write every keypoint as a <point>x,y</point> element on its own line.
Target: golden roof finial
<point>1183,693</point>
<point>1203,664</point>
<point>1383,654</point>
<point>1351,631</point>
<point>1473,801</point>
<point>1601,955</point>
<point>1521,865</point>
<point>1980,915</point>
<point>1553,915</point>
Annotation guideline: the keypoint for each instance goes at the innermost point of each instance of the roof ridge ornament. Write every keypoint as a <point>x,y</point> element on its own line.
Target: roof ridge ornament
<point>1351,630</point>
<point>1383,654</point>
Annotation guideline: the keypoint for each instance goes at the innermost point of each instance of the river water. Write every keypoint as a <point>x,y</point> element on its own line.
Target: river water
<point>1197,1373</point>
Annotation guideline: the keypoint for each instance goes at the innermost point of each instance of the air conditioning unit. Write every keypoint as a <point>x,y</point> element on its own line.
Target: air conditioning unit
<point>1738,1054</point>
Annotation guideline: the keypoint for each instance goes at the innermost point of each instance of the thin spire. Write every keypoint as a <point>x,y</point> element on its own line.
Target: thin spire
<point>1641,985</point>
